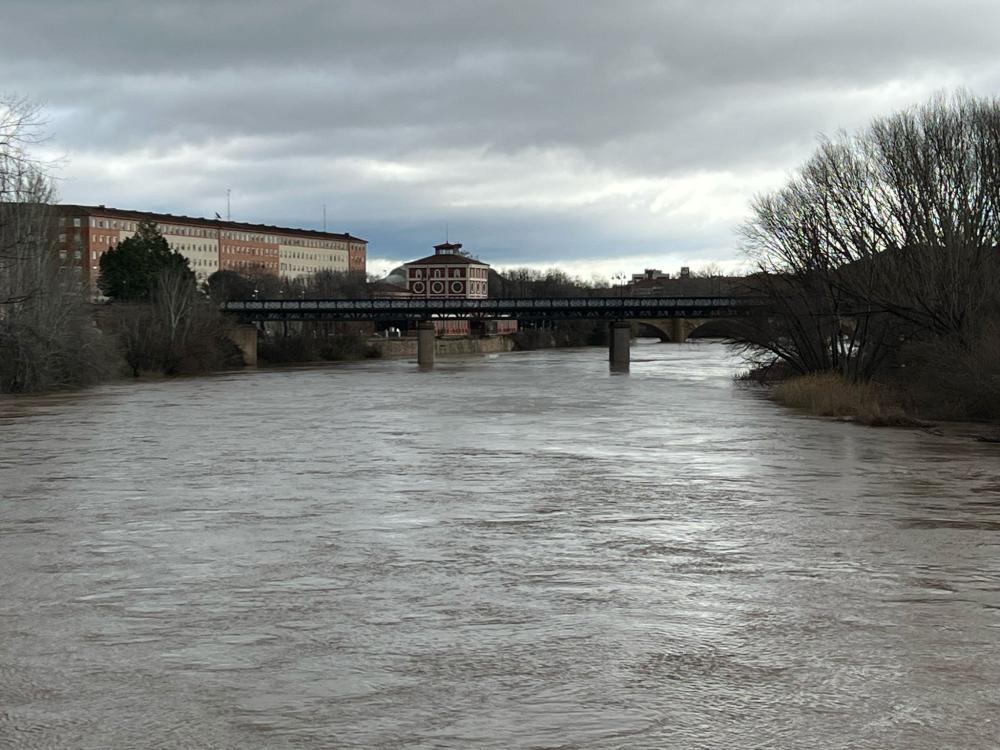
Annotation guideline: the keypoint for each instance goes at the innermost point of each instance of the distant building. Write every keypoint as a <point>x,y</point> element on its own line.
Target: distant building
<point>655,283</point>
<point>448,274</point>
<point>210,245</point>
<point>649,273</point>
<point>451,273</point>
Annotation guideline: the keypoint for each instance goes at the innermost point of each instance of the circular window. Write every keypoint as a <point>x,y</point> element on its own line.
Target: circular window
<point>418,287</point>
<point>437,287</point>
<point>456,287</point>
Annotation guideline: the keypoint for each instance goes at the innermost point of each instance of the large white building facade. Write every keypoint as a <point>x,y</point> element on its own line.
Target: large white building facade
<point>87,232</point>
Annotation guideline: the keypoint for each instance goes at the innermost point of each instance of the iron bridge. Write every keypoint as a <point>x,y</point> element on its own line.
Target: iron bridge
<point>554,308</point>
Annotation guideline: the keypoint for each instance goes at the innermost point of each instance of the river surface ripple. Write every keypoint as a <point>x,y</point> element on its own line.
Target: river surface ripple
<point>517,551</point>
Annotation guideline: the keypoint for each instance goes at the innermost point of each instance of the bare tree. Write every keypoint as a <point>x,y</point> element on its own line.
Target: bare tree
<point>24,191</point>
<point>709,271</point>
<point>885,237</point>
<point>175,298</point>
<point>529,282</point>
<point>48,338</point>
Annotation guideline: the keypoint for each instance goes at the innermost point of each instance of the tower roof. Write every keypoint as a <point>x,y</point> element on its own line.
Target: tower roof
<point>447,259</point>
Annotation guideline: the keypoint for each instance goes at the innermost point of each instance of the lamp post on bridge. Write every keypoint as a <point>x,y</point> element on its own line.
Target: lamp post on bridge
<point>620,278</point>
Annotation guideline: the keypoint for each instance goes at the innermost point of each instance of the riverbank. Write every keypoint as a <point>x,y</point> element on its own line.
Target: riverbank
<point>407,347</point>
<point>831,395</point>
<point>871,404</point>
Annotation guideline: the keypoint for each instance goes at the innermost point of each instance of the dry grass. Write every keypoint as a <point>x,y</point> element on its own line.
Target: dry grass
<point>831,395</point>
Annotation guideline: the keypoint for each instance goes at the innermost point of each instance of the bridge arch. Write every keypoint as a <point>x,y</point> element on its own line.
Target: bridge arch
<point>679,330</point>
<point>673,330</point>
<point>658,328</point>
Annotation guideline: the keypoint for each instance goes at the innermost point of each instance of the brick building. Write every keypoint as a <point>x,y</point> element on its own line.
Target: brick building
<point>448,274</point>
<point>210,245</point>
<point>452,274</point>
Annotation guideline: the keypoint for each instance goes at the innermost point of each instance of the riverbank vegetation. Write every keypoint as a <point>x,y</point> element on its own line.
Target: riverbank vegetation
<point>160,320</point>
<point>47,341</point>
<point>154,318</point>
<point>878,262</point>
<point>832,395</point>
<point>301,342</point>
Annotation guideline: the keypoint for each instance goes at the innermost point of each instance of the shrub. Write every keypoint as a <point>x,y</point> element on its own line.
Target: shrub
<point>832,395</point>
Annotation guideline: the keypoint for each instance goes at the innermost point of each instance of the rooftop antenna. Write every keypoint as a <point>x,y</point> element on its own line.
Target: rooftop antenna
<point>446,232</point>
<point>324,217</point>
<point>229,213</point>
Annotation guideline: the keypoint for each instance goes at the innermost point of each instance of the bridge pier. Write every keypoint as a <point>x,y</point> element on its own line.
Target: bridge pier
<point>245,338</point>
<point>678,331</point>
<point>425,344</point>
<point>618,348</point>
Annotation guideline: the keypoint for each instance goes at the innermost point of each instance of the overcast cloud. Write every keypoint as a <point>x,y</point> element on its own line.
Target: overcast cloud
<point>598,136</point>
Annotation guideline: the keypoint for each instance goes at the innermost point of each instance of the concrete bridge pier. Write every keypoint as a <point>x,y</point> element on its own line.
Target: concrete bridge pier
<point>678,331</point>
<point>618,349</point>
<point>245,338</point>
<point>425,344</point>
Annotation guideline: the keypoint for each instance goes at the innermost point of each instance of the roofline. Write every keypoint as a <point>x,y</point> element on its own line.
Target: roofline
<point>442,259</point>
<point>128,213</point>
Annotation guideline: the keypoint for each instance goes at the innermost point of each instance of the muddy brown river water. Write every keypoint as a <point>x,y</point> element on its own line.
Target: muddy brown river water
<point>517,551</point>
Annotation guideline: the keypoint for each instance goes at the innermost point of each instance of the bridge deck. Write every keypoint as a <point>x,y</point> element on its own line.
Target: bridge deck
<point>562,308</point>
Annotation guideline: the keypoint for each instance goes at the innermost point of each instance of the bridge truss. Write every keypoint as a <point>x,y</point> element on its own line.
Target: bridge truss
<point>554,308</point>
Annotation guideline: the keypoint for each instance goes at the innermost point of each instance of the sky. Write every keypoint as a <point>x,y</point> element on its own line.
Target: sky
<point>594,136</point>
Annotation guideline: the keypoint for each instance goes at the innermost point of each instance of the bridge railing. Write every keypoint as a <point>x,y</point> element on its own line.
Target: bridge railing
<point>549,307</point>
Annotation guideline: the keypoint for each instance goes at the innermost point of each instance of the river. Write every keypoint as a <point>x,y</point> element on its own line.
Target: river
<point>513,551</point>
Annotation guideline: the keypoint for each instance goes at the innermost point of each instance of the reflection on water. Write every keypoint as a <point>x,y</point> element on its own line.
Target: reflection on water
<point>511,551</point>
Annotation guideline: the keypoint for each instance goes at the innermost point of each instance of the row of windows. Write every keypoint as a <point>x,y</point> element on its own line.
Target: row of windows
<point>311,256</point>
<point>183,248</point>
<point>211,232</point>
<point>128,226</point>
<point>284,240</point>
<point>303,242</point>
<point>187,248</point>
<point>443,287</point>
<point>296,267</point>
<point>229,250</point>
<point>100,223</point>
<point>438,273</point>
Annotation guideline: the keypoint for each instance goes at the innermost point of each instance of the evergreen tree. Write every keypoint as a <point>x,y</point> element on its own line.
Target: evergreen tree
<point>129,271</point>
<point>224,285</point>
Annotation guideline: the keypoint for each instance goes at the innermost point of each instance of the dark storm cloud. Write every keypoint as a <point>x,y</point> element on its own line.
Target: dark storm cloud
<point>386,107</point>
